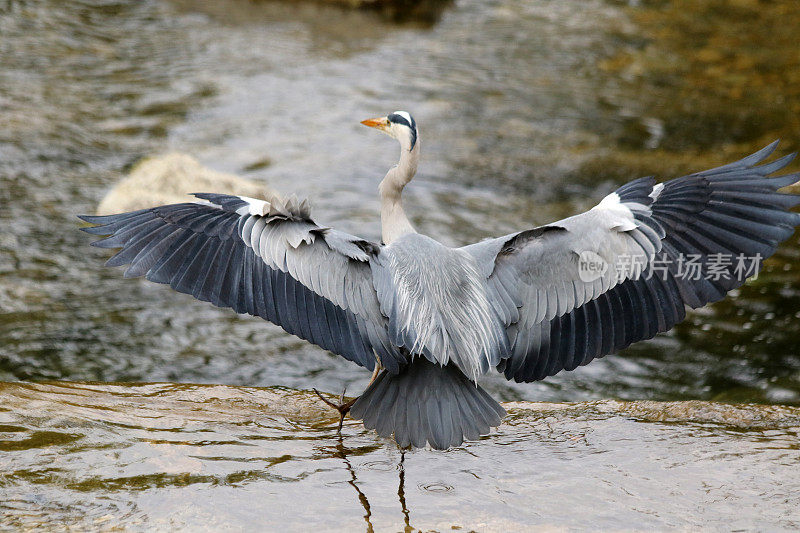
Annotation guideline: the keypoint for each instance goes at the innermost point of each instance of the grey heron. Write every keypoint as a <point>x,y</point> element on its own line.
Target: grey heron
<point>429,319</point>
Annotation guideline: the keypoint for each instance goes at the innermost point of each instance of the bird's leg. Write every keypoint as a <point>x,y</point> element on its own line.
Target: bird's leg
<point>344,406</point>
<point>378,368</point>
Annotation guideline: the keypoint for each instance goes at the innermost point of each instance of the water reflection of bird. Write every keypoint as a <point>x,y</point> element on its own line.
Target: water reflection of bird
<point>429,319</point>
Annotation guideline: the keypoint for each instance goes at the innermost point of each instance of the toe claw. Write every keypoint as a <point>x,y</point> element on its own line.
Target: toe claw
<point>324,399</point>
<point>343,406</point>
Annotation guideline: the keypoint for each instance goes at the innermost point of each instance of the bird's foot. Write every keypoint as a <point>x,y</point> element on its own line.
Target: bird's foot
<point>343,406</point>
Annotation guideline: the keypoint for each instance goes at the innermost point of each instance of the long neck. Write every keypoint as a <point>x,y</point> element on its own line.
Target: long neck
<point>394,222</point>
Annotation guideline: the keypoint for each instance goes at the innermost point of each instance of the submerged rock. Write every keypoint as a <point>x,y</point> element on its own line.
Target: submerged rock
<point>172,178</point>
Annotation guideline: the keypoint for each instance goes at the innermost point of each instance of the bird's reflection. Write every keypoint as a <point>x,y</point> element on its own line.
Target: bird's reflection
<point>362,498</point>
<point>401,493</point>
<point>343,453</point>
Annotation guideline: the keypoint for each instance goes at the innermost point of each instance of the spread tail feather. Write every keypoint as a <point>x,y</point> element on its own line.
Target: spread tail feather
<point>427,402</point>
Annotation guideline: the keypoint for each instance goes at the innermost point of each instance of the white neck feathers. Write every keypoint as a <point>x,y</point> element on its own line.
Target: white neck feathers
<point>394,222</point>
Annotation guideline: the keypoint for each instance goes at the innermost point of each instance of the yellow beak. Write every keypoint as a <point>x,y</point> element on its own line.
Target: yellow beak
<point>380,123</point>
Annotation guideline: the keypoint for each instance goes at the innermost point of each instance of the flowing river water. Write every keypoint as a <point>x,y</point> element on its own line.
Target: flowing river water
<point>124,405</point>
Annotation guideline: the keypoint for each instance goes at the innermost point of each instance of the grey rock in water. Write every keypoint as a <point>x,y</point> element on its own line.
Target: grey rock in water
<point>170,179</point>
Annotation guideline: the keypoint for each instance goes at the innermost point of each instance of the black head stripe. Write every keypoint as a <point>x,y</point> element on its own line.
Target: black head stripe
<point>400,119</point>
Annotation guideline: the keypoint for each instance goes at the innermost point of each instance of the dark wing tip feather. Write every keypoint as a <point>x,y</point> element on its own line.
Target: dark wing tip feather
<point>746,162</point>
<point>762,154</point>
<point>91,219</point>
<point>96,230</point>
<point>758,156</point>
<point>108,219</point>
<point>778,164</point>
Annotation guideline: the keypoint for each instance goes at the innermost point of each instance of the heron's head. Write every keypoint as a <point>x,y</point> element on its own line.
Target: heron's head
<point>399,125</point>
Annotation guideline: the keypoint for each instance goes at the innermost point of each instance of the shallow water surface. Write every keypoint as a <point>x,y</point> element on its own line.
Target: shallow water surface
<point>204,457</point>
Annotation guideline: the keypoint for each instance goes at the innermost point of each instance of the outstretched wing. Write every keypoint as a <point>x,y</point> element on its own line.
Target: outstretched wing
<point>685,242</point>
<point>268,259</point>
